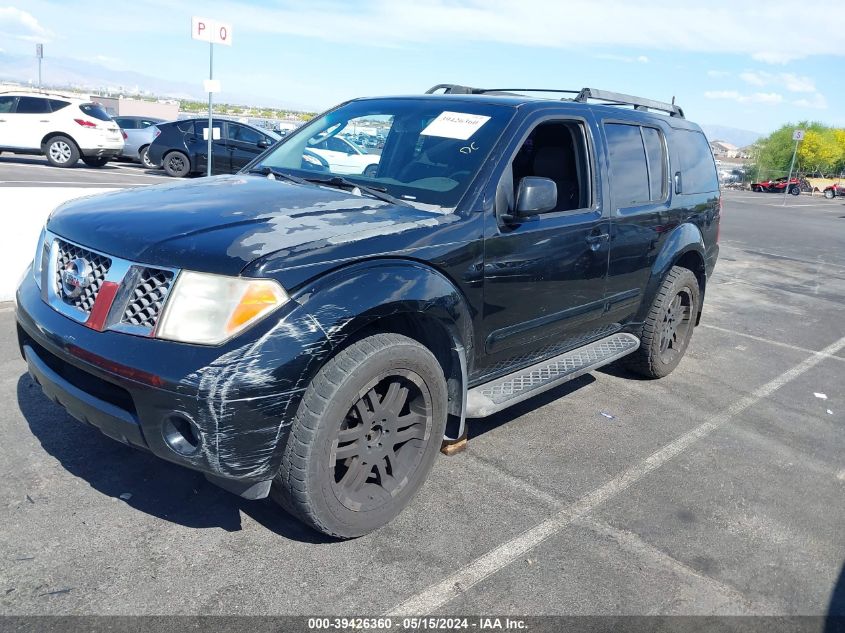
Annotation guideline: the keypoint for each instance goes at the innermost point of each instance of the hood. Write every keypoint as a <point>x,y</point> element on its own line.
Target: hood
<point>223,223</point>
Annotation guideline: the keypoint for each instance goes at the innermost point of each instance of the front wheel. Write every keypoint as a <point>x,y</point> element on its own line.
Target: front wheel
<point>795,190</point>
<point>371,171</point>
<point>668,327</point>
<point>758,189</point>
<point>94,161</point>
<point>365,436</point>
<point>829,194</point>
<point>61,152</point>
<point>176,164</point>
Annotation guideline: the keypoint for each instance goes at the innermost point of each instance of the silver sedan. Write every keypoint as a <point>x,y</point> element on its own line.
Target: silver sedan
<point>138,133</point>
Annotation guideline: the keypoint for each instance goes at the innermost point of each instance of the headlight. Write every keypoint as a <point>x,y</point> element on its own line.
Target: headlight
<point>208,309</point>
<point>40,256</point>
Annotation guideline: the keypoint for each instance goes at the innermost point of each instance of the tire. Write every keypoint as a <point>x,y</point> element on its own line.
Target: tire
<point>668,326</point>
<point>795,190</point>
<point>61,152</point>
<point>370,171</point>
<point>758,189</point>
<point>373,480</point>
<point>145,160</point>
<point>829,194</point>
<point>93,161</point>
<point>176,164</point>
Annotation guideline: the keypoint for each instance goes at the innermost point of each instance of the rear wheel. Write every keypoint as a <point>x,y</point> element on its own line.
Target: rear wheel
<point>176,164</point>
<point>61,152</point>
<point>795,190</point>
<point>829,194</point>
<point>145,160</point>
<point>94,161</point>
<point>364,437</point>
<point>370,171</point>
<point>668,327</point>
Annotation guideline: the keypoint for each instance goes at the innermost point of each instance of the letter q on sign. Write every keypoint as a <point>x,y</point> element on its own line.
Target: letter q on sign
<point>212,31</point>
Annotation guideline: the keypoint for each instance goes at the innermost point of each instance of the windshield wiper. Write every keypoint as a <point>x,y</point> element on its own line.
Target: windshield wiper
<point>265,170</point>
<point>379,193</point>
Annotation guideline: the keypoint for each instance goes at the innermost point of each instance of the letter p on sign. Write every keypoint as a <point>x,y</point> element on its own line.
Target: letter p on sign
<point>211,31</point>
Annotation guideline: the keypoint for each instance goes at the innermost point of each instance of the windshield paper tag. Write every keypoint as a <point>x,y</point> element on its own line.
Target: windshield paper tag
<point>455,125</point>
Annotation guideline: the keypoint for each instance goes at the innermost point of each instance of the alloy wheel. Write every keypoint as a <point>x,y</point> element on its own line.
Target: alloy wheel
<point>676,323</point>
<point>60,152</point>
<point>380,443</point>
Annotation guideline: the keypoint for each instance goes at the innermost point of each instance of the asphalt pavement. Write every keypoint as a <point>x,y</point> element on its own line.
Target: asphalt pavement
<point>717,490</point>
<point>28,171</point>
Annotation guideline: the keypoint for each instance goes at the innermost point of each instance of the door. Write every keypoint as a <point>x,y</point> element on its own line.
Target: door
<point>639,192</point>
<point>245,143</point>
<point>221,162</point>
<point>7,128</point>
<point>30,122</point>
<point>545,275</point>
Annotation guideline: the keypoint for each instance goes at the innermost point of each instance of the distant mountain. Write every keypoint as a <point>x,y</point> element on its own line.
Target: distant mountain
<point>735,136</point>
<point>74,73</point>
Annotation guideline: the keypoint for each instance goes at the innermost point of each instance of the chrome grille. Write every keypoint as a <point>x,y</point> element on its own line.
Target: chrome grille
<point>147,298</point>
<point>100,265</point>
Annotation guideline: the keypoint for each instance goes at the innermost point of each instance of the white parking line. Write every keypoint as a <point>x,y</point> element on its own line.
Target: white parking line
<point>767,340</point>
<point>496,559</point>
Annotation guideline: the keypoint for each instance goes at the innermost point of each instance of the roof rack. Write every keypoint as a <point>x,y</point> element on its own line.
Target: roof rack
<point>581,96</point>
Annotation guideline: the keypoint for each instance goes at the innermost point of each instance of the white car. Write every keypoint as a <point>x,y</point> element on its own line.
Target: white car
<point>62,128</point>
<point>344,157</point>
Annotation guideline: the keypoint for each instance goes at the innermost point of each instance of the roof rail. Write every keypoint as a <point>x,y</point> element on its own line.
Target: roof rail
<point>615,98</point>
<point>581,96</point>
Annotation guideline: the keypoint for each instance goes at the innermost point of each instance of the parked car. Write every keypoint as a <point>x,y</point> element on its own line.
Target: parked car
<point>777,186</point>
<point>834,190</point>
<point>297,332</point>
<point>60,127</point>
<point>138,133</point>
<point>344,157</point>
<point>181,147</point>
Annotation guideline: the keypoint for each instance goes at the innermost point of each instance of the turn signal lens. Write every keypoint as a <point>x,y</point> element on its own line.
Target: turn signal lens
<point>209,309</point>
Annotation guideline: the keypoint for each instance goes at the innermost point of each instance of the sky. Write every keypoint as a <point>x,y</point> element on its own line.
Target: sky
<point>749,65</point>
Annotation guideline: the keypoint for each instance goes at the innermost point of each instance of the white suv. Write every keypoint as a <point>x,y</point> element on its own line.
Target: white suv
<point>62,128</point>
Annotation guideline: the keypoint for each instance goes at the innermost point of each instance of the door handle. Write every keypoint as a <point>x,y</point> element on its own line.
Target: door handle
<point>595,241</point>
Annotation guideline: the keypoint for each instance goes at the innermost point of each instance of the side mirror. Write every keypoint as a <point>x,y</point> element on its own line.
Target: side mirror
<point>263,143</point>
<point>535,195</point>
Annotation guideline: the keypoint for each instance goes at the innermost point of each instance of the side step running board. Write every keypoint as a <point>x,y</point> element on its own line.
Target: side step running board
<point>501,393</point>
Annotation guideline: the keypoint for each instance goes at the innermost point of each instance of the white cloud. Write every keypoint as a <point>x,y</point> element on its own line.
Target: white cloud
<point>718,73</point>
<point>640,59</point>
<point>817,101</point>
<point>19,24</point>
<point>734,95</point>
<point>790,81</point>
<point>722,26</point>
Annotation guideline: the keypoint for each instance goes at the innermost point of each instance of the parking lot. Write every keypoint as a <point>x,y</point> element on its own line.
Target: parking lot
<point>32,171</point>
<point>717,490</point>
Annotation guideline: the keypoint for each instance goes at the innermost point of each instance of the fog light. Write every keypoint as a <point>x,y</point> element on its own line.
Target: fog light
<point>181,435</point>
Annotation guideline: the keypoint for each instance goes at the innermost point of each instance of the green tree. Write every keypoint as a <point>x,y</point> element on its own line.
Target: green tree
<point>822,150</point>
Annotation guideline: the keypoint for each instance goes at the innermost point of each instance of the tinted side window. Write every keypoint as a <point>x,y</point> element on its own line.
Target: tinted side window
<point>336,145</point>
<point>58,104</point>
<point>185,126</point>
<point>7,104</point>
<point>698,171</point>
<point>33,105</point>
<point>244,134</point>
<point>125,124</point>
<point>656,152</point>
<point>628,166</point>
<point>96,111</point>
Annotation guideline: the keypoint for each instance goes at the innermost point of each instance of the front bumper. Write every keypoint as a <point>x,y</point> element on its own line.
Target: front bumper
<point>239,397</point>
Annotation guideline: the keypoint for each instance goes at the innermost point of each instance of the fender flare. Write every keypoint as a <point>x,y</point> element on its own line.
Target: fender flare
<point>684,241</point>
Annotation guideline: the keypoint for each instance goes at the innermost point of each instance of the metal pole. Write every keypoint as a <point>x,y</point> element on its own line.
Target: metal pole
<point>39,72</point>
<point>210,77</point>
<point>789,177</point>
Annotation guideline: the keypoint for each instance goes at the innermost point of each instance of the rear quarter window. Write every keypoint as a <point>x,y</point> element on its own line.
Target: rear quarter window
<point>95,111</point>
<point>58,104</point>
<point>698,171</point>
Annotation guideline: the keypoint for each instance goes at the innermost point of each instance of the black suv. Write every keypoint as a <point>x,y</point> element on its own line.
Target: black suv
<point>181,147</point>
<point>292,331</point>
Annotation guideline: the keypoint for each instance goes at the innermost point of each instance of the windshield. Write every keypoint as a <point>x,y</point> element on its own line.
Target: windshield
<point>417,150</point>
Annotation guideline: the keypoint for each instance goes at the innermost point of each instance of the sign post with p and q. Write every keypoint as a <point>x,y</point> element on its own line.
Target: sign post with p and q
<point>213,32</point>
